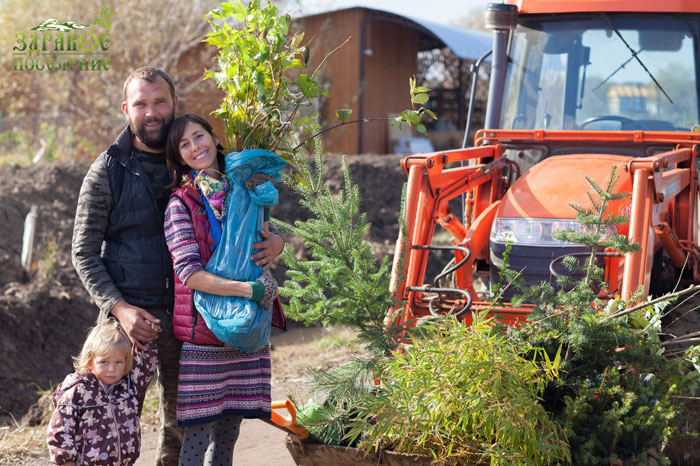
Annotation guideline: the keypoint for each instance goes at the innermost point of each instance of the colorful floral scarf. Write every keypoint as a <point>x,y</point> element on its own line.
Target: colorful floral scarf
<point>215,191</point>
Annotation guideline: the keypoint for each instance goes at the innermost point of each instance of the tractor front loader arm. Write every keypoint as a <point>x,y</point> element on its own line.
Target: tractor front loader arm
<point>433,180</point>
<point>664,206</point>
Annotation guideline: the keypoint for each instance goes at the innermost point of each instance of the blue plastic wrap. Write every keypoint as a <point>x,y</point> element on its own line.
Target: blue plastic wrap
<point>239,322</point>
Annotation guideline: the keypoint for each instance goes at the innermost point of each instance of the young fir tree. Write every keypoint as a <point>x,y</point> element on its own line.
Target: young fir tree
<point>342,282</point>
<point>615,394</point>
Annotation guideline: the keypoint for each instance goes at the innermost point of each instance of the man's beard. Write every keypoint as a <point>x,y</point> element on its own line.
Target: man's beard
<point>154,139</point>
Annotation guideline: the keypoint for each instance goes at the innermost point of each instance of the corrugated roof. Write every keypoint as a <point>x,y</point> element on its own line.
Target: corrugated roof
<point>465,43</point>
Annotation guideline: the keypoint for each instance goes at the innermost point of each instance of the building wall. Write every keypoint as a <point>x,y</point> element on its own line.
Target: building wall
<point>204,96</point>
<point>369,74</point>
<point>341,70</point>
<point>393,60</point>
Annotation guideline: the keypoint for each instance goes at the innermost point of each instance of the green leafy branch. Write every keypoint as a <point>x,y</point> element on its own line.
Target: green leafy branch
<point>265,82</point>
<point>419,97</point>
<point>262,75</point>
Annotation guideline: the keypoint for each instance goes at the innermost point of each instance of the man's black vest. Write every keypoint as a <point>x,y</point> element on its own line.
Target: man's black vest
<point>134,250</point>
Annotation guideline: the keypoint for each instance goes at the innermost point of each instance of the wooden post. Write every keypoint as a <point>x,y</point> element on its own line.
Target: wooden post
<point>28,238</point>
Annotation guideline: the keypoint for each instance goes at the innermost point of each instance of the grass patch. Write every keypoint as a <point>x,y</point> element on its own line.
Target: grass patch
<point>21,439</point>
<point>149,414</point>
<point>21,442</point>
<point>338,337</point>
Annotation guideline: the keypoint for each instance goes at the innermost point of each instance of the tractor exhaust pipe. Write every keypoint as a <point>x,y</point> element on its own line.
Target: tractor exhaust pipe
<point>502,19</point>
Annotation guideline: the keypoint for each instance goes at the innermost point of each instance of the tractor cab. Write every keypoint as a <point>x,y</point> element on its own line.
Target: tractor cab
<point>574,73</point>
<point>602,71</point>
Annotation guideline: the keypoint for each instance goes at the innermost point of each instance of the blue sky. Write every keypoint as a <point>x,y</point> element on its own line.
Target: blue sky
<point>438,11</point>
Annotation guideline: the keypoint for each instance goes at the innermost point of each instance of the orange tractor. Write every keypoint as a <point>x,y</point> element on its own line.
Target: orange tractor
<point>577,87</point>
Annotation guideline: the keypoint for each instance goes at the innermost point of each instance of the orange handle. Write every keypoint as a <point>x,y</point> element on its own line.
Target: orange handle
<point>287,422</point>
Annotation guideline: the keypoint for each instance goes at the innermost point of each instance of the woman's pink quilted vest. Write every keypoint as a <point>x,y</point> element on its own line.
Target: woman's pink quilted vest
<point>188,324</point>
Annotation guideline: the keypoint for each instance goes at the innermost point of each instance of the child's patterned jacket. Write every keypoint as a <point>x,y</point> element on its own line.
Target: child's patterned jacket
<point>92,426</point>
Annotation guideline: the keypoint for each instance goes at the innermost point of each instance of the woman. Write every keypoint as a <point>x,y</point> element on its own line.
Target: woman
<point>218,385</point>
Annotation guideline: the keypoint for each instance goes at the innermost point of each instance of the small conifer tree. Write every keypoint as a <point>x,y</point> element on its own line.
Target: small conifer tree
<point>342,282</point>
<point>615,394</point>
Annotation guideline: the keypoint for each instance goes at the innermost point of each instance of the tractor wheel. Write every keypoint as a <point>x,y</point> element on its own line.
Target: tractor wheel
<point>664,275</point>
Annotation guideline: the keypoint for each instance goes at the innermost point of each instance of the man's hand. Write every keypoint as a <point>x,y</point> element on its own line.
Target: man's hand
<point>269,248</point>
<point>139,325</point>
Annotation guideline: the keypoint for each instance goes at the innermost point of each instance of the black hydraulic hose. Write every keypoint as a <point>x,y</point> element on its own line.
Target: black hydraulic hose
<point>467,255</point>
<point>472,97</point>
<point>431,308</point>
<point>428,288</point>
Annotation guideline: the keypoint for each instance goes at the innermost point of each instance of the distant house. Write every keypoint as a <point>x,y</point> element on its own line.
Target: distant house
<point>370,73</point>
<point>633,99</point>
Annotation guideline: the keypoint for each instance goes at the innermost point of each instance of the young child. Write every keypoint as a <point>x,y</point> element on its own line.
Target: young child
<point>96,420</point>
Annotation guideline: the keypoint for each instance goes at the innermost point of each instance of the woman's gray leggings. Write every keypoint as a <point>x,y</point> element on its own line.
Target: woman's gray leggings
<point>210,444</point>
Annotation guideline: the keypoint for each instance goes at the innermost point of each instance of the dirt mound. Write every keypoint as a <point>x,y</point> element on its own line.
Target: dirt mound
<point>43,319</point>
<point>45,313</point>
<point>54,190</point>
<point>380,179</point>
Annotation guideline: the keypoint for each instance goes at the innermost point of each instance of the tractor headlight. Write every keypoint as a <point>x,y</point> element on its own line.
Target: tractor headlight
<point>536,231</point>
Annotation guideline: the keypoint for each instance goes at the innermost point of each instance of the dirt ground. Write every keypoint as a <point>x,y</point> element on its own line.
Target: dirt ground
<point>46,312</point>
<point>292,353</point>
<point>259,443</point>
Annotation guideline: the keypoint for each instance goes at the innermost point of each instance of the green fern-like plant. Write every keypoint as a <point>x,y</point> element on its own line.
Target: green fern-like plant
<point>463,395</point>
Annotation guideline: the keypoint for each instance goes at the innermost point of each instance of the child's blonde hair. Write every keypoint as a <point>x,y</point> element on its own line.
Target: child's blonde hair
<point>105,337</point>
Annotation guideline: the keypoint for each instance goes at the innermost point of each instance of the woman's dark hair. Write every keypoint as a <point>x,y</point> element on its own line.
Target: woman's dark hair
<point>176,166</point>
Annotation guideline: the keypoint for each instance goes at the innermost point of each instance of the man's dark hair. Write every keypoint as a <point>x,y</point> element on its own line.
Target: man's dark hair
<point>150,74</point>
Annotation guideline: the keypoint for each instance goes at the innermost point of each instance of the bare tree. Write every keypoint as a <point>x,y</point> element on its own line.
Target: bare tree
<point>81,108</point>
<point>474,19</point>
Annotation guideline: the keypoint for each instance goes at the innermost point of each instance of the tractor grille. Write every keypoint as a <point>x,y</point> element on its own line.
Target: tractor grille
<point>534,262</point>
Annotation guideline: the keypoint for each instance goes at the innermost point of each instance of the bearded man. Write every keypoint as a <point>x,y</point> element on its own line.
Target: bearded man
<point>119,248</point>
